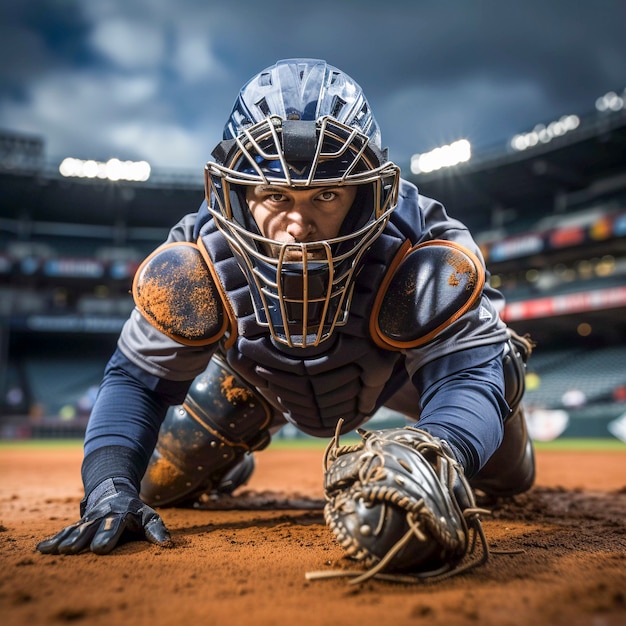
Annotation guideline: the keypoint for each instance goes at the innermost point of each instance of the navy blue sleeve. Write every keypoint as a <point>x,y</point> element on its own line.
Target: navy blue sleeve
<point>124,424</point>
<point>462,398</point>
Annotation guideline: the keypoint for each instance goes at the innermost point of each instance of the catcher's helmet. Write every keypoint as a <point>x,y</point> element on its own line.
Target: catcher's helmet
<point>301,123</point>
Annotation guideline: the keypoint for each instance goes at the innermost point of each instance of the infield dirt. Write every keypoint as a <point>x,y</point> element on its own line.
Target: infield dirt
<point>559,555</point>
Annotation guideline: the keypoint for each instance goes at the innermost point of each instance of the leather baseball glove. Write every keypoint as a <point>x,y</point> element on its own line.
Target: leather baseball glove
<point>399,503</point>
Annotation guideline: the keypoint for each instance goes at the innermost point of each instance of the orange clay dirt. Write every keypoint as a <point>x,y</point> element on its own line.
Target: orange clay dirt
<point>559,554</point>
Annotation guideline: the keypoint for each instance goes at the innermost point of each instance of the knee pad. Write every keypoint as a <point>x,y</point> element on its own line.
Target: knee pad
<point>221,419</point>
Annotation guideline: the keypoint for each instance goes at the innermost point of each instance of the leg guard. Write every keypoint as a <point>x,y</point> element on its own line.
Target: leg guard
<point>208,440</point>
<point>511,469</point>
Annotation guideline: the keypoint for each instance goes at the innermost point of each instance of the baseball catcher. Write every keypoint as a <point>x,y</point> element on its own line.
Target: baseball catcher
<point>313,286</point>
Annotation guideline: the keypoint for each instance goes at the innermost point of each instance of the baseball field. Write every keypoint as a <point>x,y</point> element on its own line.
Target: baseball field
<point>558,553</point>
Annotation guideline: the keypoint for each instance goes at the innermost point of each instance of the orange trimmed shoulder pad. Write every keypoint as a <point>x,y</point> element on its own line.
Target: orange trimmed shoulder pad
<point>426,288</point>
<point>177,292</point>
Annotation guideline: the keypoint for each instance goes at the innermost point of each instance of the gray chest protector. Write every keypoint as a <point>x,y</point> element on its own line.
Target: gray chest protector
<point>403,298</point>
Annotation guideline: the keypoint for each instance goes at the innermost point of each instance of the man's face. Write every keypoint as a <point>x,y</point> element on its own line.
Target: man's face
<point>299,215</point>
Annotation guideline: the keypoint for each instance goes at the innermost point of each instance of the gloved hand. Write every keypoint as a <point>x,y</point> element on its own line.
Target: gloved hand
<point>112,509</point>
<point>398,501</point>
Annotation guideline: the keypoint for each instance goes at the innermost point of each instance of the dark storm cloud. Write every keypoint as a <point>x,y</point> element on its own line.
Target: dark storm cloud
<point>155,79</point>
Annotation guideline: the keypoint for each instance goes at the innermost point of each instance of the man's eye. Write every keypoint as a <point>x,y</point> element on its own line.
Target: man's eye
<point>327,196</point>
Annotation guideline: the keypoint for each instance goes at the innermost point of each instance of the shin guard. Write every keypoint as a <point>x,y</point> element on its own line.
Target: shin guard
<point>221,420</point>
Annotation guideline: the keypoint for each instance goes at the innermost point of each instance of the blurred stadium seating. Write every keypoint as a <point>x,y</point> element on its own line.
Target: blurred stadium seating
<point>595,372</point>
<point>551,222</point>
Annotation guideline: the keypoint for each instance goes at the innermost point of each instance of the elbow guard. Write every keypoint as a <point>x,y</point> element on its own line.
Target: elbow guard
<point>177,291</point>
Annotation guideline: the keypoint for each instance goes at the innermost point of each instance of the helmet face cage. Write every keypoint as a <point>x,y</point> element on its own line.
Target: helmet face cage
<point>301,302</point>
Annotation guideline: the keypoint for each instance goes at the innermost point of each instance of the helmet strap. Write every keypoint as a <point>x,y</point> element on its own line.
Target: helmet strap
<point>299,139</point>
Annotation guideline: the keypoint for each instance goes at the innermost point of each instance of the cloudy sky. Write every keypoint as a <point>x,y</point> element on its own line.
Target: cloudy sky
<point>156,79</point>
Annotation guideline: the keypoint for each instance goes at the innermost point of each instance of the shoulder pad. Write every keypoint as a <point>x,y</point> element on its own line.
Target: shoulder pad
<point>426,289</point>
<point>177,293</point>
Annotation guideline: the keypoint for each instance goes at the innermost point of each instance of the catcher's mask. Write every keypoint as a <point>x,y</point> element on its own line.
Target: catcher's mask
<point>301,302</point>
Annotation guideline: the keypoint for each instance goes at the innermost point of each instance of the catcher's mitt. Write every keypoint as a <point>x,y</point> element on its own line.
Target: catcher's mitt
<point>398,501</point>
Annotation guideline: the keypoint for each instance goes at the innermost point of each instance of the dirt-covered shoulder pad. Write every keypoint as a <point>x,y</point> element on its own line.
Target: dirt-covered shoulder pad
<point>177,293</point>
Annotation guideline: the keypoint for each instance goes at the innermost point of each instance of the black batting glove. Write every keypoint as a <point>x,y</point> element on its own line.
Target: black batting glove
<point>112,510</point>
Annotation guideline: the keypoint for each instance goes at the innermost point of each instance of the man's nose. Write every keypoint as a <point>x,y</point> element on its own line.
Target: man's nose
<point>301,225</point>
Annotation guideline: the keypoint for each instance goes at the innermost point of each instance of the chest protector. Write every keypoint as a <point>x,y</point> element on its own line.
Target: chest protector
<point>403,297</point>
<point>311,387</point>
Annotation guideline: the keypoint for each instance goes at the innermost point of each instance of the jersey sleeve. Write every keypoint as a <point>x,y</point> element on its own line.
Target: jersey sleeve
<point>458,374</point>
<point>462,398</point>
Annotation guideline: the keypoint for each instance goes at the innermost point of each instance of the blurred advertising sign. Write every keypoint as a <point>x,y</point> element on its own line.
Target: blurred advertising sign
<point>568,303</point>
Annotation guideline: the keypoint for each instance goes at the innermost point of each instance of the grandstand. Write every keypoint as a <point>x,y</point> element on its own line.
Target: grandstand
<point>551,222</point>
<point>596,373</point>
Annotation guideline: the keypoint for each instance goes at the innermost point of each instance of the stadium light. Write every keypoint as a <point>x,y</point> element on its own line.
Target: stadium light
<point>544,134</point>
<point>113,169</point>
<point>445,156</point>
<point>611,101</point>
